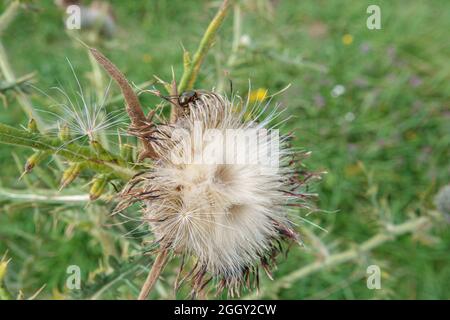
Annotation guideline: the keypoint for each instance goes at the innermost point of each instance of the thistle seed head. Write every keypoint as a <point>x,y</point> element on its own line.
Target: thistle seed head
<point>202,200</point>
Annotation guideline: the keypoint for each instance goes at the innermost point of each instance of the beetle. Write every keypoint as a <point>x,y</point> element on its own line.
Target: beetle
<point>187,97</point>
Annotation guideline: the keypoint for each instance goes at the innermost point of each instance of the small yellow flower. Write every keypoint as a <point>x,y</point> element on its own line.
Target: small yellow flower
<point>147,58</point>
<point>347,39</point>
<point>258,95</point>
<point>353,170</point>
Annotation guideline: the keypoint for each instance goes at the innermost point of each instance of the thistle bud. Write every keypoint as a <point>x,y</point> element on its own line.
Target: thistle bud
<point>186,60</point>
<point>70,174</point>
<point>4,294</point>
<point>3,267</point>
<point>64,133</point>
<point>101,151</point>
<point>35,159</point>
<point>126,152</point>
<point>98,187</point>
<point>32,126</point>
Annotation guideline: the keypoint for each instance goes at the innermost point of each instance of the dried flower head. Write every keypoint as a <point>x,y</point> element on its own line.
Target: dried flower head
<point>225,203</point>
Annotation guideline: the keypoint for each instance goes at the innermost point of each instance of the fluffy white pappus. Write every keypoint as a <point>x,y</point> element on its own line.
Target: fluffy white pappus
<point>219,195</point>
<point>84,113</point>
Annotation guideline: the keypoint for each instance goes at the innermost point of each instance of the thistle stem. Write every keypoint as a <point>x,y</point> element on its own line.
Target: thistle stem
<point>191,73</point>
<point>72,152</point>
<point>391,232</point>
<point>157,268</point>
<point>45,196</point>
<point>16,84</point>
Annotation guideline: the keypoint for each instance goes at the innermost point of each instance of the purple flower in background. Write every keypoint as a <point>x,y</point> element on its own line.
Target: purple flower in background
<point>391,52</point>
<point>319,101</point>
<point>361,82</point>
<point>365,47</point>
<point>415,81</point>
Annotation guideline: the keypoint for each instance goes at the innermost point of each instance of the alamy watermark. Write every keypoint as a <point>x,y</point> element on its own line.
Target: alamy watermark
<point>73,281</point>
<point>259,147</point>
<point>373,22</point>
<point>373,277</point>
<point>73,20</point>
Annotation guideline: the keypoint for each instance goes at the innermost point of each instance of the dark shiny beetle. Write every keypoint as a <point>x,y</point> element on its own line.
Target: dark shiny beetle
<point>187,97</point>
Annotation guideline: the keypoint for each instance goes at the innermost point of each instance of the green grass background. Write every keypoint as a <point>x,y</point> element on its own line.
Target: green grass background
<point>385,141</point>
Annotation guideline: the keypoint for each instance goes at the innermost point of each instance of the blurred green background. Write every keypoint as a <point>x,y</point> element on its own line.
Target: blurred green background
<point>372,105</point>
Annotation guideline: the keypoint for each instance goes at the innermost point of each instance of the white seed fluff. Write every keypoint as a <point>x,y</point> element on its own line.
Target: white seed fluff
<point>229,216</point>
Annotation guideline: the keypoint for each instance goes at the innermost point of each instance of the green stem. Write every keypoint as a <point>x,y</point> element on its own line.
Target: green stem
<point>43,196</point>
<point>237,32</point>
<point>19,83</point>
<point>391,232</point>
<point>73,152</point>
<point>191,73</point>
